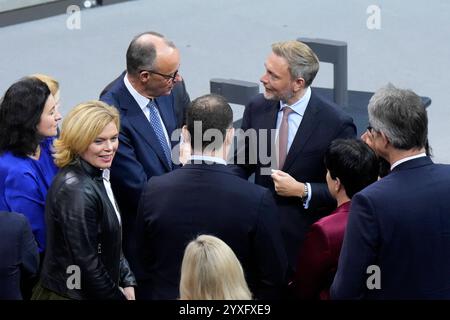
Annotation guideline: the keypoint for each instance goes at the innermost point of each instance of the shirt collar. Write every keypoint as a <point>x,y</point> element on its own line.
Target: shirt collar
<point>299,106</point>
<point>207,158</point>
<point>396,163</point>
<point>106,174</point>
<point>140,99</point>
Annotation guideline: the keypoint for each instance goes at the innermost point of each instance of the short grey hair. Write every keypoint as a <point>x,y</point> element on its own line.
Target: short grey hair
<point>401,116</point>
<point>141,55</point>
<point>302,61</point>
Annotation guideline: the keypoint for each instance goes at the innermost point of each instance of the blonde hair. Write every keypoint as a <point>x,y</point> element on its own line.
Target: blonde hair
<point>51,83</point>
<point>80,128</point>
<point>302,61</point>
<point>211,271</point>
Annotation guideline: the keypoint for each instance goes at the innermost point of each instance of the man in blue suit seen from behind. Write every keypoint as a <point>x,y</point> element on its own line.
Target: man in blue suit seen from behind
<point>397,241</point>
<point>206,197</point>
<point>151,98</point>
<point>306,124</point>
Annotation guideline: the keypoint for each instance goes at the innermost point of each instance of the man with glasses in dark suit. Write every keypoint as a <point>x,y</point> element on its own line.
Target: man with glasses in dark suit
<point>151,98</point>
<point>397,243</point>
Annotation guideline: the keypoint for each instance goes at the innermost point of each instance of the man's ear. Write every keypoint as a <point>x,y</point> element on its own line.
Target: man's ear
<point>384,138</point>
<point>185,134</point>
<point>299,84</point>
<point>337,184</point>
<point>144,76</point>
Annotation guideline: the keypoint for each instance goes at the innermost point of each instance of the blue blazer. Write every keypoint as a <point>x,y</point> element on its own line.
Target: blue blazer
<point>208,199</point>
<point>19,255</point>
<point>139,156</point>
<point>23,187</point>
<point>401,224</point>
<point>322,122</point>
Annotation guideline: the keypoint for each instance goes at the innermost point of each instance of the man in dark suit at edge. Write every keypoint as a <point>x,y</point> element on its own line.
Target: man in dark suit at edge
<point>151,98</point>
<point>306,124</point>
<point>397,243</point>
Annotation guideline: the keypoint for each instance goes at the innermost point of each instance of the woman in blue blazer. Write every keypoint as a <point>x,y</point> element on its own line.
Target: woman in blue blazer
<point>28,123</point>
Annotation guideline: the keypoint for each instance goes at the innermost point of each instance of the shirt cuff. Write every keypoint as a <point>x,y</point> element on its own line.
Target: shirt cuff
<point>306,203</point>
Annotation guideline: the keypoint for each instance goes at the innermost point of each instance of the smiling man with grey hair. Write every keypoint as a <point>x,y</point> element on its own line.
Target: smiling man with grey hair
<point>397,240</point>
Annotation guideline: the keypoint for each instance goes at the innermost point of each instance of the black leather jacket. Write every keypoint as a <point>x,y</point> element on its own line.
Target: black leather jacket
<point>83,230</point>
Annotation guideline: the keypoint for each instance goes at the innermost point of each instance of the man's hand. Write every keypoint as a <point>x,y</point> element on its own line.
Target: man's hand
<point>367,137</point>
<point>286,186</point>
<point>185,152</point>
<point>128,292</point>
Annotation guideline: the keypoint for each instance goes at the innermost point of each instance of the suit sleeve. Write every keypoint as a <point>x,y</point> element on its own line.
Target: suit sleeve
<point>128,175</point>
<point>29,251</point>
<point>127,278</point>
<point>79,211</point>
<point>358,251</point>
<point>269,250</point>
<point>23,195</point>
<point>313,265</point>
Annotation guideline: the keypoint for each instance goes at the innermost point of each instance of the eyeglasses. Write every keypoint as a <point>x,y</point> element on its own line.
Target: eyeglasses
<point>168,77</point>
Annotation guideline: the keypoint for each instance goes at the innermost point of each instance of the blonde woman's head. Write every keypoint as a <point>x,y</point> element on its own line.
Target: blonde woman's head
<point>211,271</point>
<point>51,83</point>
<point>80,128</point>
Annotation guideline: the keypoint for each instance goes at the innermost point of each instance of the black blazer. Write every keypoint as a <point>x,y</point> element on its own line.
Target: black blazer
<point>19,255</point>
<point>140,155</point>
<point>322,122</point>
<point>208,199</point>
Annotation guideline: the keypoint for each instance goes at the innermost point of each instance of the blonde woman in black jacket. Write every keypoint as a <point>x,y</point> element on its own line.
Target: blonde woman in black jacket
<point>84,258</point>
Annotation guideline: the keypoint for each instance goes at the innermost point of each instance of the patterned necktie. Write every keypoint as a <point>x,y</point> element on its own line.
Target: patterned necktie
<point>283,137</point>
<point>158,129</point>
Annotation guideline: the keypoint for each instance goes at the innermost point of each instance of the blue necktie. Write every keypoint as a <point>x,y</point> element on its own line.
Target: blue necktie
<point>157,127</point>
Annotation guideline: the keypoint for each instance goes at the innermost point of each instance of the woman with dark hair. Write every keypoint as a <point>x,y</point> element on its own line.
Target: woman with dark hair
<point>28,124</point>
<point>84,258</point>
<point>351,166</point>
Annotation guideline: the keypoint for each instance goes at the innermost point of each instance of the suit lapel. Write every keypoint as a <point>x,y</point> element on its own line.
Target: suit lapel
<point>269,122</point>
<point>309,122</point>
<point>141,124</point>
<point>269,115</point>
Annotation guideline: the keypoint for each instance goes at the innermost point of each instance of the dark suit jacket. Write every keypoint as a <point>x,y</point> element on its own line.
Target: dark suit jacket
<point>319,255</point>
<point>208,199</point>
<point>322,122</point>
<point>400,223</point>
<point>19,255</point>
<point>140,156</point>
